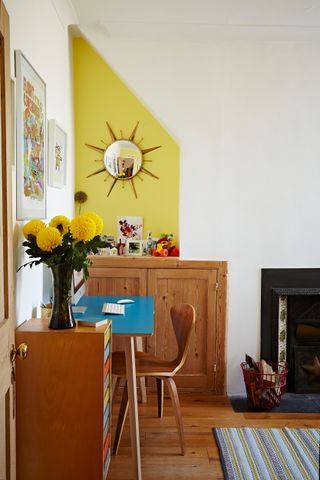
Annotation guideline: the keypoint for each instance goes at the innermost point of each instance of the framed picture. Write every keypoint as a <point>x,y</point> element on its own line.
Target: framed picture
<point>134,247</point>
<point>13,120</point>
<point>57,155</point>
<point>129,228</point>
<point>31,140</point>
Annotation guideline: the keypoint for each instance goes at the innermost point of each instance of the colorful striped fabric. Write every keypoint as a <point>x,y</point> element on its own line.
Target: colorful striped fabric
<point>269,453</point>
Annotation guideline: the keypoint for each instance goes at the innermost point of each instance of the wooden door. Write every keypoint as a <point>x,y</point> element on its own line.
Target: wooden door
<point>117,281</point>
<point>7,430</point>
<point>198,287</point>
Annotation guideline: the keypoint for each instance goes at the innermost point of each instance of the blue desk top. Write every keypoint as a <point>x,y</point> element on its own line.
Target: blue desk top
<point>137,320</point>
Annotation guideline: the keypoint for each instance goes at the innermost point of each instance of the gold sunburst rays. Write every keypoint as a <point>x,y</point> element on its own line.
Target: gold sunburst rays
<point>123,159</point>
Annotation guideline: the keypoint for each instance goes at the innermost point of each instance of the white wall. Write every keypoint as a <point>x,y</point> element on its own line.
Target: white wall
<point>247,116</point>
<point>39,29</point>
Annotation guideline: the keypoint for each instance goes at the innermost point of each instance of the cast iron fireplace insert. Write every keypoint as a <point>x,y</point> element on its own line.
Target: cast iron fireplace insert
<point>290,324</point>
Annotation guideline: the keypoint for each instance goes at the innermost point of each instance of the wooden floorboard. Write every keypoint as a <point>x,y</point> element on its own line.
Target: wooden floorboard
<point>160,449</point>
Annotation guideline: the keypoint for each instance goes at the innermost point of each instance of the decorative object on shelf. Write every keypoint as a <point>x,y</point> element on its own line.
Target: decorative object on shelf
<point>123,159</point>
<point>57,155</point>
<point>111,241</point>
<point>80,197</point>
<point>166,247</point>
<point>46,311</point>
<point>148,245</point>
<point>31,140</point>
<point>129,228</point>
<point>121,247</point>
<point>134,247</point>
<point>63,245</point>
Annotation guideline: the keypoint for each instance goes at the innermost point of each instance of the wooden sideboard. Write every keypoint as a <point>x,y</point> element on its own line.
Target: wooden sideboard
<point>63,402</point>
<point>171,281</point>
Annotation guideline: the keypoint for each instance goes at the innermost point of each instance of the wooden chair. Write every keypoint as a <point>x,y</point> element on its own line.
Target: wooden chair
<point>149,365</point>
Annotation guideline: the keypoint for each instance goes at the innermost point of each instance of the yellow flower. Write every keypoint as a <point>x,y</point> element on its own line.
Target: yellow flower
<point>33,227</point>
<point>83,228</point>
<point>48,239</point>
<point>97,220</point>
<point>60,222</point>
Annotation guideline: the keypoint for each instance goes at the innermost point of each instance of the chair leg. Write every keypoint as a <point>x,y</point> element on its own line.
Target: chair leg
<point>121,419</point>
<point>160,393</point>
<point>177,411</point>
<point>143,389</point>
<point>115,385</point>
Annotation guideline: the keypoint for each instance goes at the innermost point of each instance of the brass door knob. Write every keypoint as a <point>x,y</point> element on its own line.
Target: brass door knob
<point>21,352</point>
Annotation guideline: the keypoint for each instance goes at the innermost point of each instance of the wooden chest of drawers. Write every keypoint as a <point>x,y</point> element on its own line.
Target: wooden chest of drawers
<point>63,403</point>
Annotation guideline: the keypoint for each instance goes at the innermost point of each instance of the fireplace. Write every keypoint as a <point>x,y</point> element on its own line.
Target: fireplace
<point>290,324</point>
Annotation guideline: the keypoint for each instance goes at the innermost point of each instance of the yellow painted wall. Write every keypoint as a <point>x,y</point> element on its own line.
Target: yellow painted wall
<point>100,96</point>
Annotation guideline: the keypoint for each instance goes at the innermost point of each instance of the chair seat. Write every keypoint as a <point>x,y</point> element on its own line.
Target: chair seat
<point>147,364</point>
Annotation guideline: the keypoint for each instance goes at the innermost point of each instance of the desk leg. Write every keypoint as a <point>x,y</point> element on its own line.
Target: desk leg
<point>133,405</point>
<point>141,380</point>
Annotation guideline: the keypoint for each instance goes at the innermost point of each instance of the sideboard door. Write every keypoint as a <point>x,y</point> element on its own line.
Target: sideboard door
<point>117,281</point>
<point>199,288</point>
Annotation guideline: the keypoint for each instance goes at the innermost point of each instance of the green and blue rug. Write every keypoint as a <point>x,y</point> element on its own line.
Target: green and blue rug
<point>269,453</point>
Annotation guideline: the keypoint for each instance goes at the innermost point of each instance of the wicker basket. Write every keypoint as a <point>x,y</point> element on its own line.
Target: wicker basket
<point>264,390</point>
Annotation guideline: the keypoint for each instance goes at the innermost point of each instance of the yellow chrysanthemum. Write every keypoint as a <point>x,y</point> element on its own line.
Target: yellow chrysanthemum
<point>83,228</point>
<point>97,220</point>
<point>48,239</point>
<point>33,228</point>
<point>60,222</point>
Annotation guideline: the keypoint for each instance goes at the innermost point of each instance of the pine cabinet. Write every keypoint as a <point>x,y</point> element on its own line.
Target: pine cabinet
<point>63,403</point>
<point>172,281</point>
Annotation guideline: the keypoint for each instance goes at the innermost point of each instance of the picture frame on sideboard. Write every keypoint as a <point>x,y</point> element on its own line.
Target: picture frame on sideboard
<point>134,247</point>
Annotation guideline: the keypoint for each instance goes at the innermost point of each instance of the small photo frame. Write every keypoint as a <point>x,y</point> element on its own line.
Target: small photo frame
<point>57,158</point>
<point>134,247</point>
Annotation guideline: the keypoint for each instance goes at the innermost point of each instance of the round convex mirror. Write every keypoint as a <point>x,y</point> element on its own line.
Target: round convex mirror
<point>123,159</point>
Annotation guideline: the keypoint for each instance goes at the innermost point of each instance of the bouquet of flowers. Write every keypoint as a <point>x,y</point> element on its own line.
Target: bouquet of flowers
<point>63,241</point>
<point>63,245</point>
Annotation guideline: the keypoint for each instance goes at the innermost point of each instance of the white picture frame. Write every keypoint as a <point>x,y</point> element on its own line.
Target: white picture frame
<point>31,153</point>
<point>57,155</point>
<point>134,247</point>
<point>129,228</point>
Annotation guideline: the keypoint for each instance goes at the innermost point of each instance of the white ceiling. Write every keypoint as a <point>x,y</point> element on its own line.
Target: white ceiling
<point>200,13</point>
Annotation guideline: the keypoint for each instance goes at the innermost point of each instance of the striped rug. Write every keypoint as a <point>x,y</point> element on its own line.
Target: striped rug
<point>269,453</point>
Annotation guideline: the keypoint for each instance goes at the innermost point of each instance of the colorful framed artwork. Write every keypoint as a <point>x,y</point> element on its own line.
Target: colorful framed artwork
<point>129,228</point>
<point>134,247</point>
<point>57,155</point>
<point>31,140</point>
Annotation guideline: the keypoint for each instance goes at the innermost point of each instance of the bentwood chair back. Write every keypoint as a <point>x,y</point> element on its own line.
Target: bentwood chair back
<point>148,365</point>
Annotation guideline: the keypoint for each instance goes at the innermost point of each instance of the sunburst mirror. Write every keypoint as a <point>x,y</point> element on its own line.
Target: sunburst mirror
<point>123,159</point>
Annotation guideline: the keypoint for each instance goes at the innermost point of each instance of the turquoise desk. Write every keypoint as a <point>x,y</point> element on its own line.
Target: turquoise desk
<point>138,320</point>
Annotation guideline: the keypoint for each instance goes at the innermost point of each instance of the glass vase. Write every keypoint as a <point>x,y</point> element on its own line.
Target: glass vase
<point>62,316</point>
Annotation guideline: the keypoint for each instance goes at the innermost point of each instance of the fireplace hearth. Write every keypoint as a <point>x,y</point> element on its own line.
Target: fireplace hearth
<point>290,324</point>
